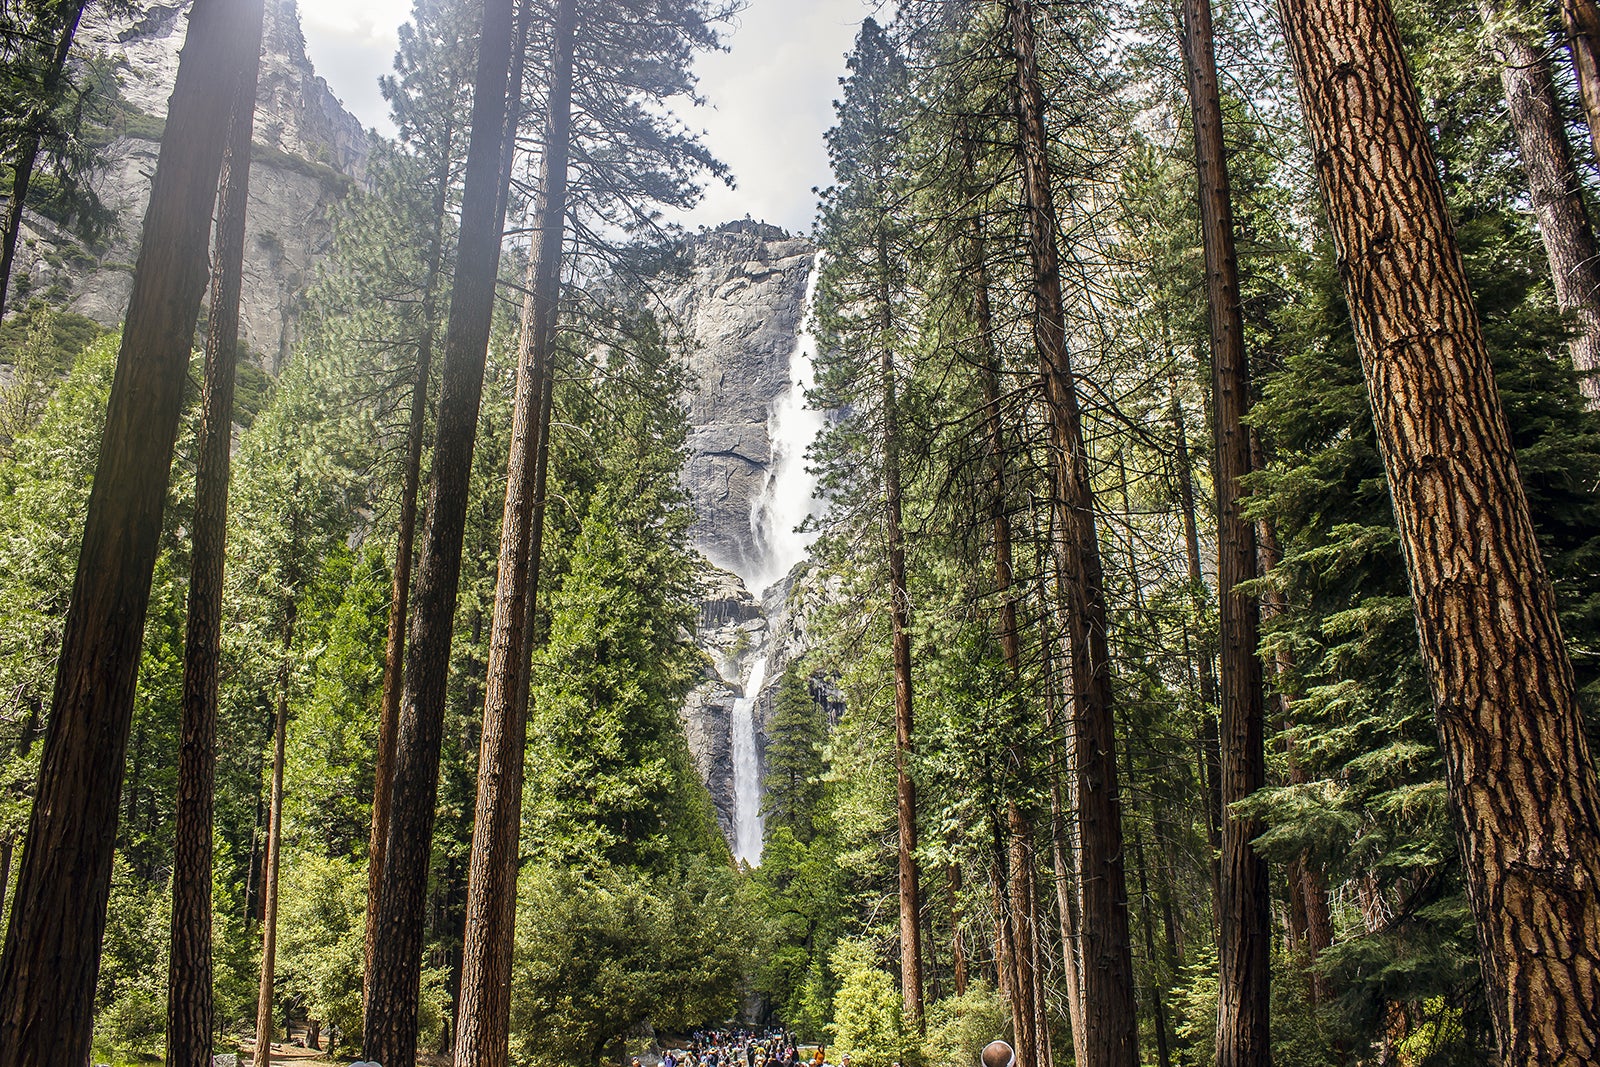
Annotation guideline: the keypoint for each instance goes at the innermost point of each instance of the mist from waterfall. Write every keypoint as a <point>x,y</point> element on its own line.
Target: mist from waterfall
<point>786,500</point>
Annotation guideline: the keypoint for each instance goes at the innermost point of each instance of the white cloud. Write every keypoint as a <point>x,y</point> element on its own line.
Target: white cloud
<point>769,98</point>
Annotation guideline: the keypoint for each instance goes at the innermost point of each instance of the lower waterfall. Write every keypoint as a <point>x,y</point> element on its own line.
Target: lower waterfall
<point>747,767</point>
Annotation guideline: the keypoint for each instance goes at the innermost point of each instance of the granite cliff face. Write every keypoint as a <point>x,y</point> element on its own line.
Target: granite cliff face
<point>744,306</point>
<point>309,152</point>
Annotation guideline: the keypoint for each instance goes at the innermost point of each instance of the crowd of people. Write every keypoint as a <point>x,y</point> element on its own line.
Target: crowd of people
<point>745,1048</point>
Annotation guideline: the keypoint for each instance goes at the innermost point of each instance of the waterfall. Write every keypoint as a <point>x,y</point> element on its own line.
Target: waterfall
<point>785,501</point>
<point>747,828</point>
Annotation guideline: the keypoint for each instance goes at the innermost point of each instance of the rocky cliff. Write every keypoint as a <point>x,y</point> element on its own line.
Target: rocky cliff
<point>743,306</point>
<point>309,152</point>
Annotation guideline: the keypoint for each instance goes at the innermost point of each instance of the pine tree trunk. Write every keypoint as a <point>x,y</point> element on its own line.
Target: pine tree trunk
<point>189,992</point>
<point>1110,1026</point>
<point>1569,241</point>
<point>390,1033</point>
<point>1517,763</point>
<point>1063,857</point>
<point>900,616</point>
<point>958,951</point>
<point>1582,21</point>
<point>1029,1024</point>
<point>1210,750</point>
<point>1244,949</point>
<point>52,952</point>
<point>400,582</point>
<point>484,1021</point>
<point>269,920</point>
<point>28,149</point>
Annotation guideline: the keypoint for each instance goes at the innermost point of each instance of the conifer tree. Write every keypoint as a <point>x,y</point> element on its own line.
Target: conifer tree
<point>1517,762</point>
<point>47,972</point>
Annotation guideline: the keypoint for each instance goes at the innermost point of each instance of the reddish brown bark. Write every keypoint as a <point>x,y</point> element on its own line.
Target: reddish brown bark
<point>1110,1027</point>
<point>1244,948</point>
<point>1564,225</point>
<point>189,992</point>
<point>269,919</point>
<point>1517,763</point>
<point>485,1005</point>
<point>52,952</point>
<point>394,973</point>
<point>1582,21</point>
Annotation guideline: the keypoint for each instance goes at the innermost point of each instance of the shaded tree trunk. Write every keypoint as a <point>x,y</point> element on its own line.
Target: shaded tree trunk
<point>958,951</point>
<point>1564,226</point>
<point>1110,1028</point>
<point>1210,750</point>
<point>900,616</point>
<point>1517,762</point>
<point>1244,947</point>
<point>485,1016</point>
<point>400,582</point>
<point>52,952</point>
<point>390,1031</point>
<point>189,981</point>
<point>269,920</point>
<point>28,148</point>
<point>1582,21</point>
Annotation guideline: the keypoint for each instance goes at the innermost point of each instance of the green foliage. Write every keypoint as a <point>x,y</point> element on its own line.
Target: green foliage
<point>959,1027</point>
<point>868,1023</point>
<point>601,950</point>
<point>321,926</point>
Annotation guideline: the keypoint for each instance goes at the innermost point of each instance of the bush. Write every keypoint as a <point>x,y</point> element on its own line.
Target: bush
<point>959,1027</point>
<point>868,1021</point>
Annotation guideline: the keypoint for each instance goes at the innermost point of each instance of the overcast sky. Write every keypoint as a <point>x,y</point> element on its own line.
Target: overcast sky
<point>770,96</point>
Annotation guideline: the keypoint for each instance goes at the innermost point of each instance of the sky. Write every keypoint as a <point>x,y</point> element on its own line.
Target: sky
<point>769,97</point>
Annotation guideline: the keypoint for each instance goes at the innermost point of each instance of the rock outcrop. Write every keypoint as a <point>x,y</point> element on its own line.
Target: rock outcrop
<point>309,153</point>
<point>743,306</point>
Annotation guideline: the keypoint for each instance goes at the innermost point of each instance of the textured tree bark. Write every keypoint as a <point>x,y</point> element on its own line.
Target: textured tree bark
<point>390,1032</point>
<point>1564,226</point>
<point>28,150</point>
<point>400,582</point>
<point>189,992</point>
<point>1244,948</point>
<point>52,952</point>
<point>484,1019</point>
<point>1582,21</point>
<point>1517,763</point>
<point>1111,1031</point>
<point>269,920</point>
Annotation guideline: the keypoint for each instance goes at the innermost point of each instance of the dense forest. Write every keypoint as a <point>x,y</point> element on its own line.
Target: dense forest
<point>1202,602</point>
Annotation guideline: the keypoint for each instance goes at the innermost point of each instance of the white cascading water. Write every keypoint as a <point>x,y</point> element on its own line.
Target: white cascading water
<point>785,501</point>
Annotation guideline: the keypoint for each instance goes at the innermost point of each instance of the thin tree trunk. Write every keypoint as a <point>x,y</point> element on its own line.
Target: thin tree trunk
<point>269,921</point>
<point>1521,781</point>
<point>958,952</point>
<point>900,616</point>
<point>400,583</point>
<point>1582,21</point>
<point>1063,857</point>
<point>52,952</point>
<point>1210,748</point>
<point>1110,1023</point>
<point>390,1032</point>
<point>483,1032</point>
<point>28,148</point>
<point>189,992</point>
<point>1564,226</point>
<point>1244,1037</point>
